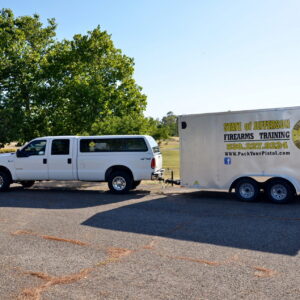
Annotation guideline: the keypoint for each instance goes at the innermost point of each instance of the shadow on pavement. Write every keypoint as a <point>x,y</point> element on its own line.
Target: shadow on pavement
<point>62,197</point>
<point>212,218</point>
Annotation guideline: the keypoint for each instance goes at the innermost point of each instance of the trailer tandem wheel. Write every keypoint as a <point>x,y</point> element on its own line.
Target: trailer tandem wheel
<point>247,189</point>
<point>280,191</point>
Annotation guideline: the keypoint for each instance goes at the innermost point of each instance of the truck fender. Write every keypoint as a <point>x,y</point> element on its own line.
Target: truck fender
<point>112,169</point>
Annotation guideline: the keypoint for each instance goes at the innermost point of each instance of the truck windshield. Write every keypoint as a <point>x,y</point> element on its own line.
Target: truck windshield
<point>153,144</point>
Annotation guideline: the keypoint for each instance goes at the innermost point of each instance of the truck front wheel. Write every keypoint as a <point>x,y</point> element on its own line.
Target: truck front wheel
<point>280,191</point>
<point>247,190</point>
<point>120,182</point>
<point>4,181</point>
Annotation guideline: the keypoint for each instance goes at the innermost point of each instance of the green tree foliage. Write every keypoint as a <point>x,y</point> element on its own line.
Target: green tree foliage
<point>23,47</point>
<point>50,87</point>
<point>130,124</point>
<point>170,123</point>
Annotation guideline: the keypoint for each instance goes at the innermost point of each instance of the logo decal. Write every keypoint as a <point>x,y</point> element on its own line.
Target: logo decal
<point>296,134</point>
<point>227,161</point>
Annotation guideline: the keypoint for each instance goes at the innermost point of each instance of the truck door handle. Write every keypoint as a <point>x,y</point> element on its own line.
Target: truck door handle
<point>45,161</point>
<point>69,161</point>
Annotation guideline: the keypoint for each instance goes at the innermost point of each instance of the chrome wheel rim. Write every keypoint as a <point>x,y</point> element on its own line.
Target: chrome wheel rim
<point>119,183</point>
<point>247,190</point>
<point>279,192</point>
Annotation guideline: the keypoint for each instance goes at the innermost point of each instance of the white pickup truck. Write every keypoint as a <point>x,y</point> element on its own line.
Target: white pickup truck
<point>122,161</point>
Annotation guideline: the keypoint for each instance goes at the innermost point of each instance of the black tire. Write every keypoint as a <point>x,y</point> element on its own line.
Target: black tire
<point>120,182</point>
<point>4,181</point>
<point>247,190</point>
<point>27,184</point>
<point>280,191</point>
<point>135,184</point>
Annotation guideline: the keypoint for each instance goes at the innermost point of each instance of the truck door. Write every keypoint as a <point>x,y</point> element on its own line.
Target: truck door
<point>61,163</point>
<point>31,161</point>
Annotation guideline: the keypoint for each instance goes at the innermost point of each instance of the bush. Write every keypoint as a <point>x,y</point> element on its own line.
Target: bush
<point>7,150</point>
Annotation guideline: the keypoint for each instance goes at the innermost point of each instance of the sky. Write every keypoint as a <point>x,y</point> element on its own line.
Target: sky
<point>194,56</point>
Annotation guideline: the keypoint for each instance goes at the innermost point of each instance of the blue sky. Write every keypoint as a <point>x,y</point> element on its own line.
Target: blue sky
<point>194,56</point>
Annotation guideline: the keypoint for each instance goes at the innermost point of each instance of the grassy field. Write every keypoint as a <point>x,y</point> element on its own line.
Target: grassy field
<point>170,152</point>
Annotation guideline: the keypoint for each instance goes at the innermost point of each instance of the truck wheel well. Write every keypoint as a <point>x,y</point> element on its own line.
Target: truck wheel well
<point>5,170</point>
<point>112,169</point>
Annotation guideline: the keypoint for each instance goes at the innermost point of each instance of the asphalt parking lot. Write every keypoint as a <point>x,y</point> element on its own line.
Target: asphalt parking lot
<point>77,241</point>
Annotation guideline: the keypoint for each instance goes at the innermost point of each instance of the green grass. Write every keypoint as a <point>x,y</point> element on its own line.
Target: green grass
<point>170,152</point>
<point>7,150</point>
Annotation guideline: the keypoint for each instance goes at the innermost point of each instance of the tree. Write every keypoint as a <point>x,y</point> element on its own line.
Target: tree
<point>170,122</point>
<point>50,87</point>
<point>130,124</point>
<point>23,47</point>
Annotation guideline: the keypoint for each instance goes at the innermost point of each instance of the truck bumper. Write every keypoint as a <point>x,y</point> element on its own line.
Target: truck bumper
<point>157,174</point>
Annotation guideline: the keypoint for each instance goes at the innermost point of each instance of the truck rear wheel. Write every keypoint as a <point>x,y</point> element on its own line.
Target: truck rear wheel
<point>247,189</point>
<point>280,191</point>
<point>4,181</point>
<point>27,184</point>
<point>120,182</point>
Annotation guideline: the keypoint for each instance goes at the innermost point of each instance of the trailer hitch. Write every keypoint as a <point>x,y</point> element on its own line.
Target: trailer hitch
<point>170,180</point>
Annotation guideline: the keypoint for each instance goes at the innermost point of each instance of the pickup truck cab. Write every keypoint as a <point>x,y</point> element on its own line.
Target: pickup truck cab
<point>121,160</point>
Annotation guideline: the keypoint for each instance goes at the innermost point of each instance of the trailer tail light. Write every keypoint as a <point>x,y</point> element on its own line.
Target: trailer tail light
<point>153,163</point>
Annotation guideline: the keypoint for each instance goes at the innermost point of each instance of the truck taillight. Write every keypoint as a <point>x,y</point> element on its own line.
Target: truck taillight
<point>153,163</point>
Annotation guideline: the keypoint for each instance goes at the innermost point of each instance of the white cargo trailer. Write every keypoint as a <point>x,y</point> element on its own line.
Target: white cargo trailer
<point>245,151</point>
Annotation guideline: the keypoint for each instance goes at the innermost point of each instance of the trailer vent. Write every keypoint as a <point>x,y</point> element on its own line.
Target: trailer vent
<point>183,125</point>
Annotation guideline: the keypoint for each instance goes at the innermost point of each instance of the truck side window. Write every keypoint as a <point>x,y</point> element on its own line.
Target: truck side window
<point>35,148</point>
<point>113,145</point>
<point>135,145</point>
<point>60,147</point>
